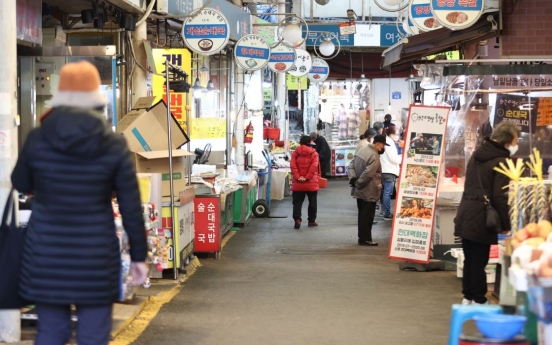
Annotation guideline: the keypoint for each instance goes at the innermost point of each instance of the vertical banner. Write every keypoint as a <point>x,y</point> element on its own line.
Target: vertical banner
<point>418,184</point>
<point>179,57</point>
<point>207,224</point>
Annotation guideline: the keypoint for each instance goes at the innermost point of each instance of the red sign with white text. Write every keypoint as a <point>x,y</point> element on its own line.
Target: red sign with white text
<point>207,224</point>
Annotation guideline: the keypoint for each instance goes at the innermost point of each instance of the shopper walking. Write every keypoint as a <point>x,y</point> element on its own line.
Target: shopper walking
<point>72,164</point>
<point>324,152</point>
<point>390,165</point>
<point>304,169</point>
<point>471,217</point>
<point>387,121</point>
<point>365,180</point>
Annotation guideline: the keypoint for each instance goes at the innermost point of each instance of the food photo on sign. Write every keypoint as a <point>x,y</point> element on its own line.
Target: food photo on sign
<point>421,176</point>
<point>416,208</point>
<point>457,14</point>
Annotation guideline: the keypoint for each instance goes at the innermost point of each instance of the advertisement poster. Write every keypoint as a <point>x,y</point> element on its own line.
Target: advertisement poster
<point>341,158</point>
<point>183,59</point>
<point>418,183</point>
<point>518,110</point>
<point>207,224</point>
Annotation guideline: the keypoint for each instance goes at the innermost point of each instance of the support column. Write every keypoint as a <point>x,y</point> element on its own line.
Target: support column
<point>139,77</point>
<point>10,320</point>
<point>281,91</point>
<point>241,107</point>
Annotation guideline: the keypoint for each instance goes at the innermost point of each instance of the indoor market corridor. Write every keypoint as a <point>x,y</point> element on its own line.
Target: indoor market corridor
<point>277,285</point>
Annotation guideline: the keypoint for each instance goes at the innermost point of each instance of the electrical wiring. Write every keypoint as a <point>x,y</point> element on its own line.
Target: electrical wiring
<point>147,14</point>
<point>133,54</point>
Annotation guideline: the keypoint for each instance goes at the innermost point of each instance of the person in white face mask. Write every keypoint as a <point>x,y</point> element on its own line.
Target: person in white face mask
<point>470,221</point>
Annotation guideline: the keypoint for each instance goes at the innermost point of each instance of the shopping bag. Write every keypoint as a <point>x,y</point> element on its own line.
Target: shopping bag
<point>12,240</point>
<point>322,182</point>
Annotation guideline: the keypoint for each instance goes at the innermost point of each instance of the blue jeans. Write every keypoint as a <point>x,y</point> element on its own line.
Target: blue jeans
<point>388,184</point>
<point>54,324</point>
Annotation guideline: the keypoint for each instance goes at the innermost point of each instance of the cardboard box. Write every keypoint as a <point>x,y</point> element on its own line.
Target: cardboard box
<point>158,162</point>
<point>145,127</point>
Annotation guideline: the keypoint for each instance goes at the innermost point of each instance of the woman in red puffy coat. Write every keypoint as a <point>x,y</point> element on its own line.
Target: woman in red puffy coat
<point>304,167</point>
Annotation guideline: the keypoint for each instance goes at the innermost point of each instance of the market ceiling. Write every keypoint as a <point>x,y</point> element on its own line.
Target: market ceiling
<point>363,63</point>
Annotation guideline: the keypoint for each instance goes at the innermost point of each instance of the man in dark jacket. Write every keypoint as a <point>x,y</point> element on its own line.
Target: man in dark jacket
<point>324,152</point>
<point>72,164</point>
<point>387,121</point>
<point>470,221</point>
<point>365,180</point>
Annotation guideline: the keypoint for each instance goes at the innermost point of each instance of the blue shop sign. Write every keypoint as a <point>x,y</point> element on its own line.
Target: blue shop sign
<point>389,35</point>
<point>396,95</point>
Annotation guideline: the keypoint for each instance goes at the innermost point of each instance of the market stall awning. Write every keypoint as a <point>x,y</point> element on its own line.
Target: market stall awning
<point>439,41</point>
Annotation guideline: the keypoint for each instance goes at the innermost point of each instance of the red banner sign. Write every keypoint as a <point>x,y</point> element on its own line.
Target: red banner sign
<point>207,224</point>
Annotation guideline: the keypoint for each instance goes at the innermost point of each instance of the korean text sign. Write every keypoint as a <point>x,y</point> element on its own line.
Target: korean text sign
<point>516,109</point>
<point>183,59</point>
<point>207,224</point>
<point>418,184</point>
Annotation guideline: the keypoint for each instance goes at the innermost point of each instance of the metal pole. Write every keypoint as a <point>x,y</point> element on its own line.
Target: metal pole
<point>171,180</point>
<point>10,320</point>
<point>229,74</point>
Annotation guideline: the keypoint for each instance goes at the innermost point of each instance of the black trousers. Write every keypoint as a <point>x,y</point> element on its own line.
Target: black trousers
<point>366,214</point>
<point>298,198</point>
<point>325,167</point>
<point>474,281</point>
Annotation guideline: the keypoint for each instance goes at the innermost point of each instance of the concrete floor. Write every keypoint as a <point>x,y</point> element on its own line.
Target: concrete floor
<point>277,285</point>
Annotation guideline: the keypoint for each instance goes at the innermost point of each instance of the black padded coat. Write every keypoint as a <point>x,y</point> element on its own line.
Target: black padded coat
<point>471,216</point>
<point>72,164</point>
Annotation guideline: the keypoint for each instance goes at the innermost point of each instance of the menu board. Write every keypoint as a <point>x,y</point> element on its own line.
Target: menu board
<point>418,183</point>
<point>208,128</point>
<point>544,111</point>
<point>341,158</point>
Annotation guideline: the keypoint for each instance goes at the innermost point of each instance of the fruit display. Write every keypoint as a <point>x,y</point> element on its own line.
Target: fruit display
<point>533,234</point>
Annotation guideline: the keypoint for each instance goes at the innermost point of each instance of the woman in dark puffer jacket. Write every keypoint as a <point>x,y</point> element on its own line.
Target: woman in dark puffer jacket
<point>304,168</point>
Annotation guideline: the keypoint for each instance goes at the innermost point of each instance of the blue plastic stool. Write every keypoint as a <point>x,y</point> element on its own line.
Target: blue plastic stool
<point>462,313</point>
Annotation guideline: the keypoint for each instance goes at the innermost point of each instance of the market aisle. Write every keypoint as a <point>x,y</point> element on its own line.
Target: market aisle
<point>277,285</point>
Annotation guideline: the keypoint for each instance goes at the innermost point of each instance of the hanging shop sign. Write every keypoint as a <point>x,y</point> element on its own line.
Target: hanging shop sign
<point>422,17</point>
<point>418,183</point>
<point>206,32</point>
<point>302,63</point>
<point>457,14</point>
<point>252,52</point>
<point>519,110</point>
<point>319,70</point>
<point>365,35</point>
<point>239,19</point>
<point>282,58</point>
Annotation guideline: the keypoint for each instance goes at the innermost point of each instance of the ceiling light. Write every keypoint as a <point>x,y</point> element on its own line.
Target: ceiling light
<point>292,32</point>
<point>363,78</point>
<point>327,47</point>
<point>198,89</point>
<point>204,68</point>
<point>412,78</point>
<point>211,87</point>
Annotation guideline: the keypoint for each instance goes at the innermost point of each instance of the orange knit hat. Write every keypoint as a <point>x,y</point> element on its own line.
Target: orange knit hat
<point>79,86</point>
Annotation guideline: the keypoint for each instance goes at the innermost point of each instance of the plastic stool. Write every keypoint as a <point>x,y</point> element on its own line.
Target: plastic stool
<point>462,313</point>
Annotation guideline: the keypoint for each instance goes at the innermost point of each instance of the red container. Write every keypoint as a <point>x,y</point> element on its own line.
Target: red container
<point>265,132</point>
<point>273,133</point>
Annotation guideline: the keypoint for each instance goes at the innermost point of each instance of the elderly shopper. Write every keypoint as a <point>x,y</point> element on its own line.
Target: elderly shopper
<point>365,180</point>
<point>470,221</point>
<point>72,164</point>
